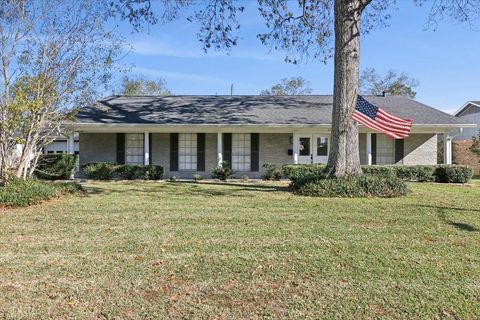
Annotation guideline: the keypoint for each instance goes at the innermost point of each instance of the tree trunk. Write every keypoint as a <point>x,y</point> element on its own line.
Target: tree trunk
<point>344,157</point>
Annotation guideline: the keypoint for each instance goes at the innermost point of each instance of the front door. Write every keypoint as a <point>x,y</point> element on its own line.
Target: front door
<point>312,148</point>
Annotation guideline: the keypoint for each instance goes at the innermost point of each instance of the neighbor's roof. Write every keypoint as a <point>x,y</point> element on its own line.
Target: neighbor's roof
<point>468,104</point>
<point>244,110</point>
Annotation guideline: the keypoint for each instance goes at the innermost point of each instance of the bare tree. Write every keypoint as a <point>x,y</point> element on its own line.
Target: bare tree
<point>317,29</point>
<point>394,82</point>
<point>140,85</point>
<point>293,86</point>
<point>54,56</point>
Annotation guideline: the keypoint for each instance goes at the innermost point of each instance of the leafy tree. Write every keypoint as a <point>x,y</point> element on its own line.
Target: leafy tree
<point>289,87</point>
<point>395,83</point>
<point>305,28</point>
<point>54,55</point>
<point>141,86</point>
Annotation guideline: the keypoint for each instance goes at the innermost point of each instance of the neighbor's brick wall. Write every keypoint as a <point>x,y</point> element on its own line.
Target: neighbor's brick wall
<point>420,149</point>
<point>462,155</point>
<point>97,147</point>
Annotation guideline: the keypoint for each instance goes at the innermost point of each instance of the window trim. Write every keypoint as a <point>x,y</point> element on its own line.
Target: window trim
<point>247,152</point>
<point>126,155</point>
<point>192,155</point>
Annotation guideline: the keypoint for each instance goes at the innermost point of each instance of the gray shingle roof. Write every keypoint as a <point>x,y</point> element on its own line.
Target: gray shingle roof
<point>254,110</point>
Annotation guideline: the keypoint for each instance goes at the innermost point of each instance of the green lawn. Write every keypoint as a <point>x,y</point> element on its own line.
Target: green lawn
<point>186,250</point>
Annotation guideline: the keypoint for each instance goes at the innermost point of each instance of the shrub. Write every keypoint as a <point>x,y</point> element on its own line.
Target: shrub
<point>222,172</point>
<point>453,174</point>
<point>407,173</point>
<point>22,193</point>
<point>56,166</point>
<point>299,171</point>
<point>172,179</point>
<point>300,174</point>
<point>197,177</point>
<point>132,172</point>
<point>272,172</point>
<point>99,170</point>
<point>363,186</point>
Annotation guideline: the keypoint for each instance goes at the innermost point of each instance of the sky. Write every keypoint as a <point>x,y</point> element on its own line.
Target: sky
<point>446,62</point>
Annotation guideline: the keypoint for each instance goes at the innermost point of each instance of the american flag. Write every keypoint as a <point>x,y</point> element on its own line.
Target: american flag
<point>377,119</point>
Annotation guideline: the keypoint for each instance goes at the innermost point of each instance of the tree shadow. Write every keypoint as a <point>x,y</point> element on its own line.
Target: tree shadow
<point>185,188</point>
<point>459,225</point>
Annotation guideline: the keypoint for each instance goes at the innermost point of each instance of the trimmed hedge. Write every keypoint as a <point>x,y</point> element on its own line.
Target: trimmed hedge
<point>272,172</point>
<point>364,186</point>
<point>107,171</point>
<point>99,170</point>
<point>22,193</point>
<point>453,174</point>
<point>132,172</point>
<point>419,173</point>
<point>294,172</point>
<point>56,166</point>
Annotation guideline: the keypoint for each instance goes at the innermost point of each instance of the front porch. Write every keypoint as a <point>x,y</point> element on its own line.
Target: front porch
<point>186,152</point>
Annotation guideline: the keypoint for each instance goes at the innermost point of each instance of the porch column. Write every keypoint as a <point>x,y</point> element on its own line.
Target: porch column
<point>447,148</point>
<point>71,143</point>
<point>146,148</point>
<point>219,149</point>
<point>295,149</point>
<point>369,148</point>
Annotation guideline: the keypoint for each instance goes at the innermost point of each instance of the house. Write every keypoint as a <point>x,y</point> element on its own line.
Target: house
<point>62,144</point>
<point>193,134</point>
<point>469,112</point>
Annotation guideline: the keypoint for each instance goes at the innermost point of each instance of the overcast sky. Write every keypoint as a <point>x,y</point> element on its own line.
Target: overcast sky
<point>446,62</point>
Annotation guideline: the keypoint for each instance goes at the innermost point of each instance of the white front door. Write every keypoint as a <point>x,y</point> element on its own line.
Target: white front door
<point>312,148</point>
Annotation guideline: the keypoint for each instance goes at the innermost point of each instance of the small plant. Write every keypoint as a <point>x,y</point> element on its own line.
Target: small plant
<point>197,177</point>
<point>272,172</point>
<point>245,178</point>
<point>222,172</point>
<point>172,179</point>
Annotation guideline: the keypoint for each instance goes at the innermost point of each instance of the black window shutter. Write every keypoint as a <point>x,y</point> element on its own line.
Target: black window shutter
<point>254,148</point>
<point>227,148</point>
<point>150,153</point>
<point>120,148</point>
<point>200,151</point>
<point>374,148</point>
<point>399,145</point>
<point>173,151</point>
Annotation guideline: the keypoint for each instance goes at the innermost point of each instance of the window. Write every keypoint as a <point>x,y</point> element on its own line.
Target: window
<point>134,148</point>
<point>50,151</point>
<point>187,151</point>
<point>322,146</point>
<point>59,151</point>
<point>241,150</point>
<point>385,149</point>
<point>304,146</point>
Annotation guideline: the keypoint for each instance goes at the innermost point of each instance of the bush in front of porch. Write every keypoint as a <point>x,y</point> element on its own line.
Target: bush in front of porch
<point>108,171</point>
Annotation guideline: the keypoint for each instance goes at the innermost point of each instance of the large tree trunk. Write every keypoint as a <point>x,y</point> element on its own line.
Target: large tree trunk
<point>344,157</point>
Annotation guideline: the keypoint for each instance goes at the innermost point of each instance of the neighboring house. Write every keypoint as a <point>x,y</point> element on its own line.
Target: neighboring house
<point>469,112</point>
<point>61,145</point>
<point>193,134</point>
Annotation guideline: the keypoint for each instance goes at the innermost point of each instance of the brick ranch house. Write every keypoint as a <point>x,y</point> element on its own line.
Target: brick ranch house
<point>190,135</point>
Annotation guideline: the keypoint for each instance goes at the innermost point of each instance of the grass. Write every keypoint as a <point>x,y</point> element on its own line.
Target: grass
<point>186,250</point>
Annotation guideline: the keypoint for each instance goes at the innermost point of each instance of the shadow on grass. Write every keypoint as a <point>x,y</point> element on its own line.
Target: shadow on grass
<point>459,225</point>
<point>183,188</point>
